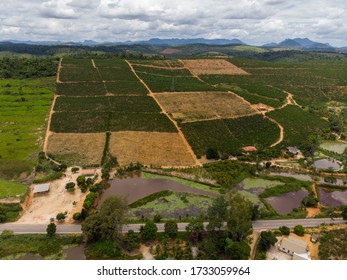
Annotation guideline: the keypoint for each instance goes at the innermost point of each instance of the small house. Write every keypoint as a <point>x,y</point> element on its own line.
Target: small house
<point>294,151</point>
<point>249,149</point>
<point>42,188</point>
<point>88,172</point>
<point>295,247</point>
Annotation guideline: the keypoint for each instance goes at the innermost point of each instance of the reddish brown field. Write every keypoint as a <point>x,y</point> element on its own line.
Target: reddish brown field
<point>150,148</point>
<point>212,67</point>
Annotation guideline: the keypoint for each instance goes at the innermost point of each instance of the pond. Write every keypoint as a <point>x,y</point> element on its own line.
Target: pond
<point>75,253</point>
<point>327,163</point>
<point>135,188</point>
<point>251,188</point>
<point>335,147</point>
<point>331,198</point>
<point>285,203</point>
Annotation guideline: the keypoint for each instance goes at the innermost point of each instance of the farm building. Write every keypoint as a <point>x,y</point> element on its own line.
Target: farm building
<point>249,149</point>
<point>88,172</point>
<point>41,188</point>
<point>295,247</point>
<point>294,151</point>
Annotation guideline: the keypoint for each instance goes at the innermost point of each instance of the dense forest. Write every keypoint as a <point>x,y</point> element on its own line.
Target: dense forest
<point>22,68</point>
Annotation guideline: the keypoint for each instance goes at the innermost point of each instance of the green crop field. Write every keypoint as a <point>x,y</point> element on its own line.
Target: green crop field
<point>24,105</point>
<point>170,63</point>
<point>317,81</point>
<point>79,74</point>
<point>228,136</point>
<point>117,74</point>
<point>76,62</point>
<point>162,71</point>
<point>126,87</point>
<point>81,89</point>
<point>96,121</point>
<point>106,104</point>
<point>298,124</point>
<point>174,84</point>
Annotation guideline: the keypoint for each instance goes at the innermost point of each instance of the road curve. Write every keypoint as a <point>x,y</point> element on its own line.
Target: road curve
<point>257,225</point>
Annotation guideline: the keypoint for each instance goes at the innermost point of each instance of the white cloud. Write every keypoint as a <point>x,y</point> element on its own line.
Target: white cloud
<point>254,21</point>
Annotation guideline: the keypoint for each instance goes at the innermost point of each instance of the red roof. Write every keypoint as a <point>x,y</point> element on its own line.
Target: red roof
<point>249,149</point>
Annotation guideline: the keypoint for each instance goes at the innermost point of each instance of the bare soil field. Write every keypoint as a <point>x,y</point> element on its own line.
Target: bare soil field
<point>197,106</point>
<point>212,67</point>
<point>42,207</point>
<point>77,149</point>
<point>150,148</point>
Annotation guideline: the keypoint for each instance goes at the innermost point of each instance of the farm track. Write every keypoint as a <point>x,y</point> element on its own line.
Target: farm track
<point>58,72</point>
<point>189,148</point>
<point>97,69</point>
<point>221,118</point>
<point>281,131</point>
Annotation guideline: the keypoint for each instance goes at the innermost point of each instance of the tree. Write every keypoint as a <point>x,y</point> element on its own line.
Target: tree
<point>51,229</point>
<point>77,216</point>
<point>106,224</point>
<point>131,240</point>
<point>81,180</point>
<point>239,217</point>
<point>74,169</point>
<point>216,214</point>
<point>195,228</point>
<point>157,218</point>
<point>237,250</point>
<point>61,217</point>
<point>149,231</point>
<point>284,230</point>
<point>212,153</point>
<point>344,213</point>
<point>299,230</point>
<point>171,228</point>
<point>267,239</point>
<point>70,187</point>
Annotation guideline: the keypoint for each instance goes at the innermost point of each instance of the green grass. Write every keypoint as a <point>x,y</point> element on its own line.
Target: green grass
<point>24,105</point>
<point>188,183</point>
<point>11,189</point>
<point>252,183</point>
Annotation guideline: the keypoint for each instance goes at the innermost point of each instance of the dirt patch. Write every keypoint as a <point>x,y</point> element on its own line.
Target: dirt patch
<point>43,207</point>
<point>77,148</point>
<point>213,67</point>
<point>196,106</point>
<point>170,51</point>
<point>150,148</point>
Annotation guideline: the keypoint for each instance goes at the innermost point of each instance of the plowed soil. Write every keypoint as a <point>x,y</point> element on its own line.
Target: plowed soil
<point>212,67</point>
<point>150,148</point>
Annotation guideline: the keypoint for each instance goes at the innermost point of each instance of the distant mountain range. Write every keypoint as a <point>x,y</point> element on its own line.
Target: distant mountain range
<point>297,43</point>
<point>300,43</point>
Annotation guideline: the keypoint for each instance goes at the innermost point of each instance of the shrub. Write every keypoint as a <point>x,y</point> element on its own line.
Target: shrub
<point>88,202</point>
<point>212,153</point>
<point>157,218</point>
<point>284,230</point>
<point>74,169</point>
<point>131,240</point>
<point>61,217</point>
<point>171,228</point>
<point>70,186</point>
<point>51,229</point>
<point>77,216</point>
<point>81,180</point>
<point>149,231</point>
<point>299,230</point>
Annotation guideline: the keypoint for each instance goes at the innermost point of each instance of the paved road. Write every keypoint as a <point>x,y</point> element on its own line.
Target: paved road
<point>257,225</point>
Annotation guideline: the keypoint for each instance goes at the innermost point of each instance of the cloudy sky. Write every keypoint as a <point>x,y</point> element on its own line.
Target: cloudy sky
<point>253,21</point>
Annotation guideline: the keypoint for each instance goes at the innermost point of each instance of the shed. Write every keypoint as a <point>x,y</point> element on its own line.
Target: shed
<point>41,188</point>
<point>291,245</point>
<point>249,149</point>
<point>293,150</point>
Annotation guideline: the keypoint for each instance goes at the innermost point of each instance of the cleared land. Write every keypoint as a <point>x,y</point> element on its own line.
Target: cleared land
<point>159,149</point>
<point>77,149</point>
<point>213,67</point>
<point>192,106</point>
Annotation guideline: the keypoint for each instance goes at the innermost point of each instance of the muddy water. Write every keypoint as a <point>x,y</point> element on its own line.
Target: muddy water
<point>335,147</point>
<point>31,256</point>
<point>135,188</point>
<point>285,203</point>
<point>339,182</point>
<point>332,197</point>
<point>327,164</point>
<point>76,253</point>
